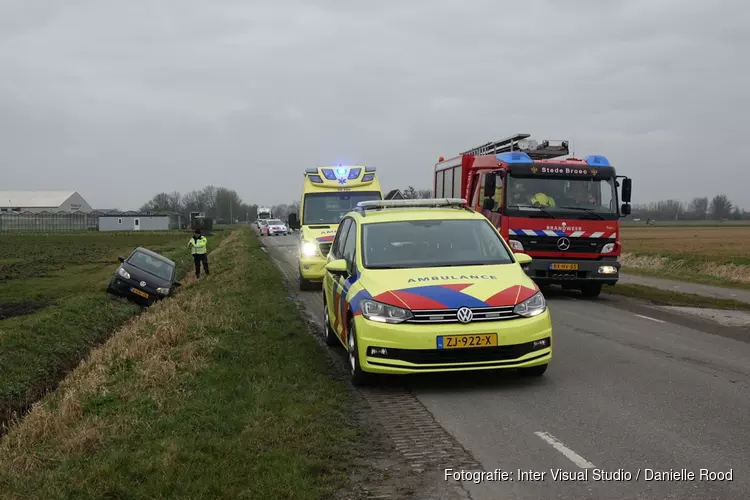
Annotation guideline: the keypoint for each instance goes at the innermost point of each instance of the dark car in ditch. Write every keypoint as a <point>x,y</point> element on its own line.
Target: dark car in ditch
<point>144,277</point>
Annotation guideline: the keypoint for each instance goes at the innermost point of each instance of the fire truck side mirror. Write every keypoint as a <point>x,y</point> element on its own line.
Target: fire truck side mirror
<point>489,185</point>
<point>625,209</point>
<point>627,187</point>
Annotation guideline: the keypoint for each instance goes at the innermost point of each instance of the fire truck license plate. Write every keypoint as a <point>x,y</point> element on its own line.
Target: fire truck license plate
<point>564,267</point>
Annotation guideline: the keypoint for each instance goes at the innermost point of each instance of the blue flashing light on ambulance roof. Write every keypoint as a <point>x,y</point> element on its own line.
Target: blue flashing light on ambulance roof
<point>368,177</point>
<point>316,179</point>
<point>514,157</point>
<point>597,160</point>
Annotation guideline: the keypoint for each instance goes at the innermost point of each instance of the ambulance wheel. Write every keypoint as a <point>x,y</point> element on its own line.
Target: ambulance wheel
<point>357,376</point>
<point>591,289</point>
<point>328,334</point>
<point>305,285</point>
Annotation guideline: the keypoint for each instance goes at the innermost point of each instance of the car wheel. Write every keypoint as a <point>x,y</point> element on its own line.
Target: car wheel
<point>357,376</point>
<point>591,289</point>
<point>533,371</point>
<point>328,334</point>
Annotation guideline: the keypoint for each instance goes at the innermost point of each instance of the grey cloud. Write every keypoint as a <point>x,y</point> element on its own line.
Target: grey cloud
<point>191,92</point>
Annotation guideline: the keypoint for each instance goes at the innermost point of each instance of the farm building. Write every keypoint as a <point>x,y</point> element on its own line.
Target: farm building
<point>136,221</point>
<point>43,201</point>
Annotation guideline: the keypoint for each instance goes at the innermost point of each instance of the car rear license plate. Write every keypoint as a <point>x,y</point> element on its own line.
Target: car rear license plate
<point>564,267</point>
<point>464,341</point>
<point>139,292</point>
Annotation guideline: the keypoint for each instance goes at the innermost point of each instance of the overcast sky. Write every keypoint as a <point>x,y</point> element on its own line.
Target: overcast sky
<point>122,99</point>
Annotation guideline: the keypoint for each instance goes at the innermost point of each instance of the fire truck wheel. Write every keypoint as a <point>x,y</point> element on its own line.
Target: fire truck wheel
<point>591,289</point>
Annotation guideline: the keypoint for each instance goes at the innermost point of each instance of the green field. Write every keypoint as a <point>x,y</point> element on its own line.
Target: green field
<point>686,223</point>
<point>218,392</point>
<point>712,254</point>
<point>53,304</point>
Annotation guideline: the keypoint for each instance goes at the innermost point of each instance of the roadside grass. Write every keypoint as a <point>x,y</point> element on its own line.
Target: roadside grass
<point>55,306</point>
<point>710,255</point>
<point>219,392</point>
<point>672,298</point>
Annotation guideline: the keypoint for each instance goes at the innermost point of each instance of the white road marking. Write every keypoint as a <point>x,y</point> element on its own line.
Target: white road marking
<point>264,249</point>
<point>649,318</point>
<point>569,454</point>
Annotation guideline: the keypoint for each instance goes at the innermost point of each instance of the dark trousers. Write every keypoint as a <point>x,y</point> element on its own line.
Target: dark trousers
<point>198,258</point>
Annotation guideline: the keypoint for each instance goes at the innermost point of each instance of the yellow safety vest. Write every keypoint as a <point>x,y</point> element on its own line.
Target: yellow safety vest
<point>543,200</point>
<point>198,247</point>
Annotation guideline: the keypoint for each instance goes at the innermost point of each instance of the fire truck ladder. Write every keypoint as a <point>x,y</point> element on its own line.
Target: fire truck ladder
<point>522,143</point>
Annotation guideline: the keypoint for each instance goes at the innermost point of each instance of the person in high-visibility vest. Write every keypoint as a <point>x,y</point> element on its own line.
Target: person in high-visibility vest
<point>198,247</point>
<point>542,200</point>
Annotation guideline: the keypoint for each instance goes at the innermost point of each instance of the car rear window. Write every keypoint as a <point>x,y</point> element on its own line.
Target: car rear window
<point>432,243</point>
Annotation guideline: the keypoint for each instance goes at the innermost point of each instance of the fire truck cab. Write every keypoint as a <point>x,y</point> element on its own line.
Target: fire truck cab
<point>562,212</point>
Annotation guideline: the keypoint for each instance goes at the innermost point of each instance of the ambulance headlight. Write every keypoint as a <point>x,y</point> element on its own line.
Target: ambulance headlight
<point>533,306</point>
<point>383,313</point>
<point>309,249</point>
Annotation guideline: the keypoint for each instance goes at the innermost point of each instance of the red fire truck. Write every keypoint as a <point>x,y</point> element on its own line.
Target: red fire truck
<point>562,212</point>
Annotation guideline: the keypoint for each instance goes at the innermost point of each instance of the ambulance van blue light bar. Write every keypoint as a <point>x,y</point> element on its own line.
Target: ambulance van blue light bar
<point>370,169</point>
<point>411,203</point>
<point>368,177</point>
<point>597,161</point>
<point>316,179</point>
<point>328,173</point>
<point>514,157</point>
<point>354,173</point>
<point>312,170</point>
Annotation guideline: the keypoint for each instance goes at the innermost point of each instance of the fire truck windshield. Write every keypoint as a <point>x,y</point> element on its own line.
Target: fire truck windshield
<point>588,198</point>
<point>329,208</point>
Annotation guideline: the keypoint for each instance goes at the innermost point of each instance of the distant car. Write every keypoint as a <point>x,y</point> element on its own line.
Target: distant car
<point>145,276</point>
<point>275,227</point>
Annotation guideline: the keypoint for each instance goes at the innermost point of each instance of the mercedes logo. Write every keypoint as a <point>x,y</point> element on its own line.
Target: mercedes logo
<point>143,283</point>
<point>563,244</point>
<point>464,315</point>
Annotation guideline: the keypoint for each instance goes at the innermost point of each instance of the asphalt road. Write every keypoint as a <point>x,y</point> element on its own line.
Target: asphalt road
<point>630,388</point>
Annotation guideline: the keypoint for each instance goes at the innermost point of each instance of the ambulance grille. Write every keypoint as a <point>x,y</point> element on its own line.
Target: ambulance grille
<point>437,316</point>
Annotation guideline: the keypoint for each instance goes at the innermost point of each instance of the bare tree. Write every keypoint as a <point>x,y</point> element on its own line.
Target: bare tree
<point>721,207</point>
<point>699,207</point>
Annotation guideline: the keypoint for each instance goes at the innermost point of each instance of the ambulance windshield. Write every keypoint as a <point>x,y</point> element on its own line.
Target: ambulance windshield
<point>329,208</point>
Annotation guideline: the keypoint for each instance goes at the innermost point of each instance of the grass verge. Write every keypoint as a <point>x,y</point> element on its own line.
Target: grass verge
<point>670,298</point>
<point>220,392</point>
<point>71,313</point>
<point>689,270</point>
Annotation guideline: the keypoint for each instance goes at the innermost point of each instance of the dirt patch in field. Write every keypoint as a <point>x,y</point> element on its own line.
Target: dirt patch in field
<point>11,309</point>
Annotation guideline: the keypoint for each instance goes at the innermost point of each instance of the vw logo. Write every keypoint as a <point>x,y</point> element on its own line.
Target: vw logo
<point>143,283</point>
<point>563,244</point>
<point>464,315</point>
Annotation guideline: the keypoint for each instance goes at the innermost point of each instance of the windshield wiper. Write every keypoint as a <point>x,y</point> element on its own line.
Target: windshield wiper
<point>585,210</point>
<point>538,208</point>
